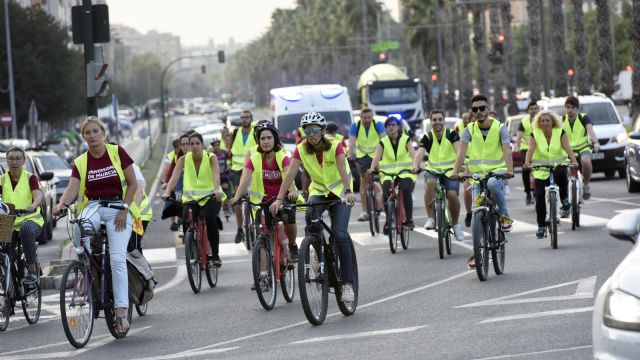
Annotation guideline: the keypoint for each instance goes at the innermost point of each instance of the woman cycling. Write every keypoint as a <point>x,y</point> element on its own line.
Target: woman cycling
<point>201,178</point>
<point>105,173</point>
<point>324,160</point>
<point>268,163</point>
<point>549,145</point>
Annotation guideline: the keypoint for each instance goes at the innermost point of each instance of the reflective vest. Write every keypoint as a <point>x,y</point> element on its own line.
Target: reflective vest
<point>460,126</point>
<point>442,155</point>
<point>526,124</point>
<point>223,144</point>
<point>239,149</point>
<point>395,161</point>
<point>81,164</point>
<point>171,156</point>
<point>21,198</point>
<point>198,184</point>
<point>486,155</point>
<point>550,153</point>
<point>144,209</point>
<point>366,143</point>
<point>256,194</point>
<point>325,178</point>
<point>577,134</point>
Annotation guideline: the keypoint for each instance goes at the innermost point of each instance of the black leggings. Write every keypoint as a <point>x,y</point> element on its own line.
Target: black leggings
<point>211,209</point>
<point>560,176</point>
<point>135,241</point>
<point>406,187</point>
<point>525,173</point>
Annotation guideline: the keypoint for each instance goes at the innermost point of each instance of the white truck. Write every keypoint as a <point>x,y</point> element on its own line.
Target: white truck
<point>624,88</point>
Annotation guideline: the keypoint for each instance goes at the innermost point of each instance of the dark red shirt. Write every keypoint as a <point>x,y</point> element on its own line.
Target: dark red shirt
<point>102,178</point>
<point>271,176</point>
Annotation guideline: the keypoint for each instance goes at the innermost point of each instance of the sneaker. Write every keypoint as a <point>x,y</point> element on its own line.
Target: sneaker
<point>506,223</point>
<point>385,229</point>
<point>239,236</point>
<point>528,200</point>
<point>587,193</point>
<point>174,226</point>
<point>540,232</point>
<point>216,261</point>
<point>293,252</point>
<point>467,220</point>
<point>430,224</point>
<point>409,224</point>
<point>471,263</point>
<point>363,217</point>
<point>347,293</point>
<point>564,210</point>
<point>30,278</point>
<point>457,231</point>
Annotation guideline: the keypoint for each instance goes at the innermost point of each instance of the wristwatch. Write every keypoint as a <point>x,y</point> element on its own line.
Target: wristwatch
<point>346,191</point>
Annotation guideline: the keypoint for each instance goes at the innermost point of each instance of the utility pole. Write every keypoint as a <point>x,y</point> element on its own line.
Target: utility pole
<point>89,56</point>
<point>441,63</point>
<point>545,74</point>
<point>12,94</point>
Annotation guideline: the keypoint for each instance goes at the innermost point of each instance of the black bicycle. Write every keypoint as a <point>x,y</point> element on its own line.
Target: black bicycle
<point>319,266</point>
<point>396,217</point>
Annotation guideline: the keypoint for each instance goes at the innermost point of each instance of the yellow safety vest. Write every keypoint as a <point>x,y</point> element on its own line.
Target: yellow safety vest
<point>442,155</point>
<point>257,184</point>
<point>239,149</point>
<point>547,153</point>
<point>81,164</point>
<point>171,156</point>
<point>325,178</point>
<point>526,134</point>
<point>20,197</point>
<point>198,184</point>
<point>460,126</point>
<point>144,209</point>
<point>394,162</point>
<point>366,143</point>
<point>577,134</point>
<point>486,155</point>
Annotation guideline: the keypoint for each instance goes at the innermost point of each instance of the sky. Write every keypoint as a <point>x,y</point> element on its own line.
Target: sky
<point>197,21</point>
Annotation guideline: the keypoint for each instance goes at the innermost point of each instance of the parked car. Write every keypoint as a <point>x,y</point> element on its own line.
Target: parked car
<point>61,148</point>
<point>616,312</point>
<point>608,126</point>
<point>632,159</point>
<point>49,161</point>
<point>233,117</point>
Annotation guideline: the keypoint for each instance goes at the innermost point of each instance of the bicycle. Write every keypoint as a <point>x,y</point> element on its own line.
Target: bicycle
<point>86,286</point>
<point>442,214</point>
<point>576,189</point>
<point>13,268</point>
<point>270,263</point>
<point>373,194</point>
<point>197,248</point>
<point>248,225</point>
<point>483,228</point>
<point>552,194</point>
<point>396,218</point>
<point>319,267</point>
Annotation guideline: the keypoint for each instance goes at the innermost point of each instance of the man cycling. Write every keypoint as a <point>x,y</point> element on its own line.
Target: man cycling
<point>580,132</point>
<point>465,119</point>
<point>225,174</point>
<point>242,140</point>
<point>22,190</point>
<point>364,136</point>
<point>524,133</point>
<point>442,146</point>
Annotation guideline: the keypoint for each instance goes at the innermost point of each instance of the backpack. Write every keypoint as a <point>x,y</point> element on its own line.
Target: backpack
<point>141,278</point>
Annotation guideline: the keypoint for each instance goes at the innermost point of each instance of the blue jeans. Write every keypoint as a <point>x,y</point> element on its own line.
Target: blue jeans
<point>339,224</point>
<point>496,187</point>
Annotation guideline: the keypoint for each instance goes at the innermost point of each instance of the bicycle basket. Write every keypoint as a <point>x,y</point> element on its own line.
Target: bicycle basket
<point>6,228</point>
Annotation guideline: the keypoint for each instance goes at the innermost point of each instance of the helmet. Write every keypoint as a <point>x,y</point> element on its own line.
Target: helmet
<point>264,125</point>
<point>314,118</point>
<point>392,119</point>
<point>331,127</point>
<point>215,140</point>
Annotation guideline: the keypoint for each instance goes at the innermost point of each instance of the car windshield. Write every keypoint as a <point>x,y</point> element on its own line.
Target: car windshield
<point>288,124</point>
<point>51,162</point>
<point>394,95</point>
<point>599,113</point>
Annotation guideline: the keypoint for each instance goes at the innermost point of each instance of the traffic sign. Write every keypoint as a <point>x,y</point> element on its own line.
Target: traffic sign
<point>384,46</point>
<point>5,119</point>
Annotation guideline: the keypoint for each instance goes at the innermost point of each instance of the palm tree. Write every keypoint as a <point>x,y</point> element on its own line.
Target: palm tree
<point>479,39</point>
<point>558,48</point>
<point>505,10</point>
<point>535,56</point>
<point>497,60</point>
<point>635,46</point>
<point>605,67</point>
<point>579,49</point>
<point>449,63</point>
<point>465,53</point>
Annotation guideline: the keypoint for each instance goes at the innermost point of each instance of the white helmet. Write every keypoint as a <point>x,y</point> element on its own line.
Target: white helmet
<point>313,118</point>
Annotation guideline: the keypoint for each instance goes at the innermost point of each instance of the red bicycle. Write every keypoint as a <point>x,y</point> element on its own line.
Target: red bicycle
<point>396,218</point>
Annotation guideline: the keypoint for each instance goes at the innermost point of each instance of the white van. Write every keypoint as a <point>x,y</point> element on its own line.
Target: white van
<point>289,104</point>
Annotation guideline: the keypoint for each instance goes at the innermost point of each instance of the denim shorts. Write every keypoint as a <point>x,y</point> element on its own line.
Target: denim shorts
<point>449,185</point>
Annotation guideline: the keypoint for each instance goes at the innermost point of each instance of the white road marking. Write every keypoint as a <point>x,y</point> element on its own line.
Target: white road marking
<point>357,335</point>
<point>364,238</point>
<point>584,290</point>
<point>232,249</point>
<point>190,353</point>
<point>616,201</point>
<point>46,346</point>
<point>432,234</point>
<point>538,314</point>
<point>535,353</point>
<point>588,220</point>
<point>178,278</point>
<point>159,255</point>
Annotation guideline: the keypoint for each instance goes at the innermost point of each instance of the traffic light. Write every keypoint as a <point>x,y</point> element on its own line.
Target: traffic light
<point>434,77</point>
<point>382,57</point>
<point>97,83</point>
<point>203,69</point>
<point>221,56</point>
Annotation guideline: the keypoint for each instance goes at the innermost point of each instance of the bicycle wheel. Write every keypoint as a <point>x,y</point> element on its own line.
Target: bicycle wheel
<point>498,254</point>
<point>440,227</point>
<point>5,299</point>
<point>479,231</point>
<point>575,206</point>
<point>370,212</point>
<point>288,282</point>
<point>392,222</point>
<point>77,304</point>
<point>247,226</point>
<point>313,286</point>
<point>142,309</point>
<point>192,260</point>
<point>404,237</point>
<point>348,308</point>
<point>264,273</point>
<point>212,275</point>
<point>110,317</point>
<point>32,302</point>
<point>553,221</point>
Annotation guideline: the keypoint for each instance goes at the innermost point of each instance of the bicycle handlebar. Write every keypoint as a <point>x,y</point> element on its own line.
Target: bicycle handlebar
<point>314,204</point>
<point>550,167</point>
<point>19,212</point>
<point>477,176</point>
<point>393,174</point>
<point>173,200</point>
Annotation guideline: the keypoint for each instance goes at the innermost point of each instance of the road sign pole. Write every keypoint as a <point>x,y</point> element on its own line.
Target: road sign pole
<point>87,40</point>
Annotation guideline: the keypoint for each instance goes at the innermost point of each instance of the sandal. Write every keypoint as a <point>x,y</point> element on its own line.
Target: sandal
<point>119,324</point>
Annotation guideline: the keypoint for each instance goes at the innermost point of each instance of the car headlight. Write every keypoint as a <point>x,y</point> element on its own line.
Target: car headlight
<point>622,311</point>
<point>620,138</point>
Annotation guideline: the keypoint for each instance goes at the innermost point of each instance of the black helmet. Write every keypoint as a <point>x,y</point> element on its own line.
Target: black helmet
<point>265,125</point>
<point>331,127</point>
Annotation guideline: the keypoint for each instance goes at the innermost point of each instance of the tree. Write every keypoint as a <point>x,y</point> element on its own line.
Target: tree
<point>558,48</point>
<point>465,50</point>
<point>479,39</point>
<point>579,49</point>
<point>634,34</point>
<point>509,54</point>
<point>605,66</point>
<point>534,11</point>
<point>498,73</point>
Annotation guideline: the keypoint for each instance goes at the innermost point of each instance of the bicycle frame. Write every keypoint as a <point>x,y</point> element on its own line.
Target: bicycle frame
<point>198,225</point>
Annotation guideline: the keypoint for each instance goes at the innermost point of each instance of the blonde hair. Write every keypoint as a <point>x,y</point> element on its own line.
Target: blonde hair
<point>557,122</point>
<point>93,120</point>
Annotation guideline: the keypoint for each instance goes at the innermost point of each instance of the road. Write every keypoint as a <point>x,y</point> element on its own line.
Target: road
<point>412,305</point>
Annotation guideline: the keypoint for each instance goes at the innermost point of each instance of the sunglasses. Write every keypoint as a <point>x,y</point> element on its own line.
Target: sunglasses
<point>479,108</point>
<point>245,117</point>
<point>313,131</point>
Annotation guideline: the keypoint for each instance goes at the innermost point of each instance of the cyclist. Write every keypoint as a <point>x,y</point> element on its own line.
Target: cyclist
<point>169,160</point>
<point>459,128</point>
<point>325,162</point>
<point>332,130</point>
<point>489,148</point>
<point>183,149</point>
<point>242,140</point>
<point>442,146</point>
<point>141,206</point>
<point>524,134</point>
<point>579,133</point>
<point>104,173</point>
<point>225,174</point>
<point>22,190</point>
<point>393,154</point>
<point>224,136</point>
<point>201,178</point>
<point>264,171</point>
<point>549,145</point>
<point>364,136</point>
